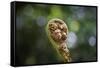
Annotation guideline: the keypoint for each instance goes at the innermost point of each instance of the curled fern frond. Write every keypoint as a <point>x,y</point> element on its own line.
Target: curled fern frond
<point>57,32</point>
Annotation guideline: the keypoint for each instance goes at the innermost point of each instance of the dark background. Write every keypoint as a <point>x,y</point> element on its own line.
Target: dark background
<point>34,47</point>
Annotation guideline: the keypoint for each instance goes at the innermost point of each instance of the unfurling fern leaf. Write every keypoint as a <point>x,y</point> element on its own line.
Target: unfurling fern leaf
<point>57,32</point>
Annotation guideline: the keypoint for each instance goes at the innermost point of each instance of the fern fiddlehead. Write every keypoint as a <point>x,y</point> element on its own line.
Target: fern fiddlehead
<point>57,32</point>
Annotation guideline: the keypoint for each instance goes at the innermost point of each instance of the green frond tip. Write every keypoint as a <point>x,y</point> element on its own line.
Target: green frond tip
<point>57,32</point>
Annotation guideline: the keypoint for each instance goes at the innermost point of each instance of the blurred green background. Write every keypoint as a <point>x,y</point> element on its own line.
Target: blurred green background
<point>32,44</point>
